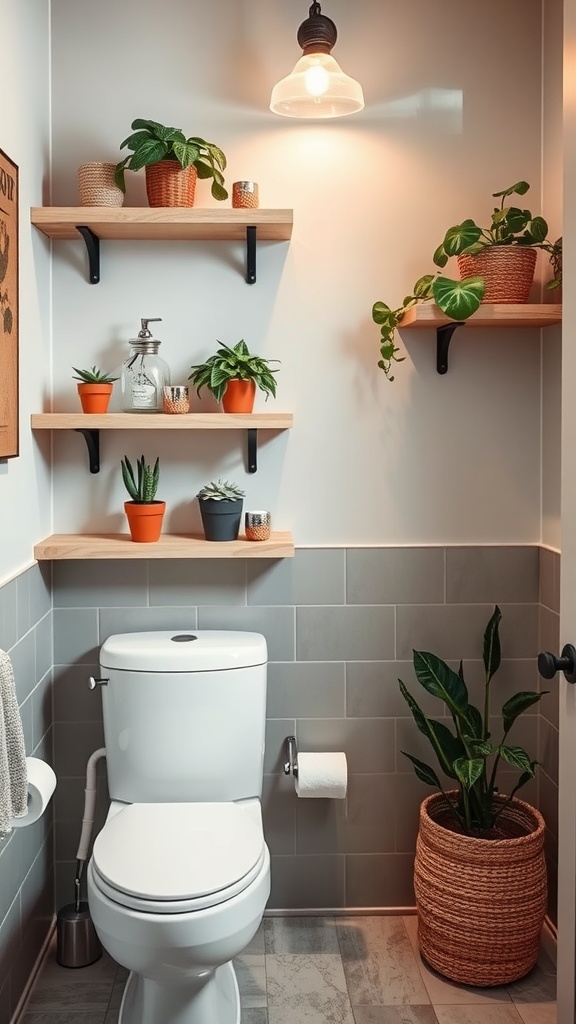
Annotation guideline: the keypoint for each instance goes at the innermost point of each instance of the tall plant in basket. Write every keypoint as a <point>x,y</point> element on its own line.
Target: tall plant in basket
<point>479,875</point>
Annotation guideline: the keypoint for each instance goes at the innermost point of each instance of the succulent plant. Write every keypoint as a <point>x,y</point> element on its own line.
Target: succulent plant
<point>141,487</point>
<point>220,490</point>
<point>93,376</point>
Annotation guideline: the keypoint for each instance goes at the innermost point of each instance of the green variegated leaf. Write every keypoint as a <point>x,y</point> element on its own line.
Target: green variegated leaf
<point>460,236</point>
<point>491,652</point>
<point>380,312</point>
<point>482,747</point>
<point>515,219</point>
<point>459,299</point>
<point>446,746</point>
<point>440,258</point>
<point>474,722</point>
<point>440,680</point>
<point>424,772</point>
<point>517,757</point>
<point>517,704</point>
<point>538,229</point>
<point>423,286</point>
<point>148,153</point>
<point>468,770</point>
<point>519,189</point>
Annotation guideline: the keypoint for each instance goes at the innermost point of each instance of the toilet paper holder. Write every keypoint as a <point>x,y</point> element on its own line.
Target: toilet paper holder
<point>291,755</point>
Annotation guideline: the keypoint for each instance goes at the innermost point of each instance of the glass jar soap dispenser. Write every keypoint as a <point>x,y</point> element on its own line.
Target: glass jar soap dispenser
<point>144,373</point>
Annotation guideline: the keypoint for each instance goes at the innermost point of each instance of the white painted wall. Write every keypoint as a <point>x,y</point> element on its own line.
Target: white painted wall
<point>25,514</point>
<point>453,113</point>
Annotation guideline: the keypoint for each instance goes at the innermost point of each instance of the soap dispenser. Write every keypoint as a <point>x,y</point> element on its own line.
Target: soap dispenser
<point>144,373</point>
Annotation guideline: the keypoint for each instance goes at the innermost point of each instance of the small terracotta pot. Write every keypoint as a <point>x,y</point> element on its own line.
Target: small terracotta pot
<point>95,398</point>
<point>169,184</point>
<point>145,521</point>
<point>239,396</point>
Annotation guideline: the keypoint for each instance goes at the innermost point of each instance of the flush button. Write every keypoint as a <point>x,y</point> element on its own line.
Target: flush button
<point>183,638</point>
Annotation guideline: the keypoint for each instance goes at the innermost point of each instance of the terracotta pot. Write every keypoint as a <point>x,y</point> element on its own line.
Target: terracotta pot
<point>221,519</point>
<point>95,397</point>
<point>508,272</point>
<point>239,396</point>
<point>481,901</point>
<point>169,184</point>
<point>145,521</point>
<point>96,185</point>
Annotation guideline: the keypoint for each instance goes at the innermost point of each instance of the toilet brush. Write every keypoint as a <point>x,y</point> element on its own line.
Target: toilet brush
<point>77,944</point>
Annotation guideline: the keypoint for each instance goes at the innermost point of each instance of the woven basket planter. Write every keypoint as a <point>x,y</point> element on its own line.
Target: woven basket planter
<point>508,272</point>
<point>169,184</point>
<point>481,902</point>
<point>96,185</point>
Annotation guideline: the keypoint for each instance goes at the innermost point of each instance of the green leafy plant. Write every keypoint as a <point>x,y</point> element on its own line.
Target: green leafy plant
<point>509,225</point>
<point>220,490</point>
<point>236,363</point>
<point>93,376</point>
<point>143,484</point>
<point>468,755</point>
<point>152,142</point>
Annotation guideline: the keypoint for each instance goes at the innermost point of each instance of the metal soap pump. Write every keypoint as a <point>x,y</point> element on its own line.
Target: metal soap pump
<point>144,373</point>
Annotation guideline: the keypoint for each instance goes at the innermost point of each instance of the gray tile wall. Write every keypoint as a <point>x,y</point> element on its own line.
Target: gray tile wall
<point>26,855</point>
<point>341,625</point>
<point>549,640</point>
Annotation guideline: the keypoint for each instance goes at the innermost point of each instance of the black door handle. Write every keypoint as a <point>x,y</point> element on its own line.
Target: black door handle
<point>549,664</point>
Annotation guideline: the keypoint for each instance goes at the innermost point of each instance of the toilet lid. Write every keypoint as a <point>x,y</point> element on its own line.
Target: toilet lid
<point>177,851</point>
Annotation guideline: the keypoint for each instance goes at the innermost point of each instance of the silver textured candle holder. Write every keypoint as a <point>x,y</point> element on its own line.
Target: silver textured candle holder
<point>257,525</point>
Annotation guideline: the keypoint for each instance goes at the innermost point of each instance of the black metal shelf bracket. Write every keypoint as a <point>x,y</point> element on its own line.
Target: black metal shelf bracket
<point>92,438</point>
<point>252,448</point>
<point>443,339</point>
<point>251,254</point>
<point>93,249</point>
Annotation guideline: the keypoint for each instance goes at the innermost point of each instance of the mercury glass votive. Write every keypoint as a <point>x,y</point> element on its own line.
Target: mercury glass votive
<point>257,525</point>
<point>176,398</point>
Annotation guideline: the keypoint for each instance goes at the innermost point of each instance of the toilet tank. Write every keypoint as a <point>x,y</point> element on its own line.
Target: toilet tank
<point>184,715</point>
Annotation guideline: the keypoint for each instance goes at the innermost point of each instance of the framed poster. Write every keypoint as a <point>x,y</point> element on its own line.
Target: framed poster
<point>8,307</point>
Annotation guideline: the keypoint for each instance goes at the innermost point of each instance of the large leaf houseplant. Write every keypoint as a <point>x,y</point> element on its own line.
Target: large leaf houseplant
<point>479,876</point>
<point>511,230</point>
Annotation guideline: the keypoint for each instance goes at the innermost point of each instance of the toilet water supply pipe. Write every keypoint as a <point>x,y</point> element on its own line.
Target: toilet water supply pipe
<point>87,819</point>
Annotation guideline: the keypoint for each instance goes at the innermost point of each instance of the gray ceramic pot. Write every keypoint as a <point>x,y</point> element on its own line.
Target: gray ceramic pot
<point>221,519</point>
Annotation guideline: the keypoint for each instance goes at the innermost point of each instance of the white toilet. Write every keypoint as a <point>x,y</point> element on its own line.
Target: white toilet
<point>180,874</point>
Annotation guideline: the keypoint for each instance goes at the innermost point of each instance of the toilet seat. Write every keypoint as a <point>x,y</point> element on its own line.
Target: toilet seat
<point>176,858</point>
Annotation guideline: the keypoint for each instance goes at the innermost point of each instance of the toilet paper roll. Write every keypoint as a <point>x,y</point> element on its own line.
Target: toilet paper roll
<point>41,785</point>
<point>322,775</point>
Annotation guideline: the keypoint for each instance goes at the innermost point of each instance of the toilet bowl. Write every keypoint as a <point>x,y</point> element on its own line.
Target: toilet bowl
<point>176,891</point>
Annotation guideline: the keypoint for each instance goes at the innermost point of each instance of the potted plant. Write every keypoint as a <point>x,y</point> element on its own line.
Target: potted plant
<point>173,163</point>
<point>479,872</point>
<point>232,376</point>
<point>496,264</point>
<point>94,389</point>
<point>143,511</point>
<point>221,509</point>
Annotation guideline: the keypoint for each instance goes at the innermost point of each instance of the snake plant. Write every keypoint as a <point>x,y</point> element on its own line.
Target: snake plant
<point>143,485</point>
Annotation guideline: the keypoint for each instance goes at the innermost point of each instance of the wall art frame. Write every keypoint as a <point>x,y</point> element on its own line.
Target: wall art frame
<point>9,308</point>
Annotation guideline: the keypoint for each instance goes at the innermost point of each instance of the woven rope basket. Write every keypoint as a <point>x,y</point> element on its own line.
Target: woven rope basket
<point>169,184</point>
<point>508,271</point>
<point>481,902</point>
<point>96,185</point>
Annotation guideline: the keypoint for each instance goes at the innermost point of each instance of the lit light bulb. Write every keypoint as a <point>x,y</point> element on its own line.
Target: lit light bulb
<point>316,80</point>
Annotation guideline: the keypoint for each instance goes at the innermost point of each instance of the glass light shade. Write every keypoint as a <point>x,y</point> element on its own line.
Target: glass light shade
<point>317,87</point>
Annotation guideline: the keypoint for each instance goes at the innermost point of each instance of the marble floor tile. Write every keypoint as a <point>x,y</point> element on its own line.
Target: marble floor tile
<point>404,1014</point>
<point>255,1016</point>
<point>496,1013</point>
<point>307,987</point>
<point>442,991</point>
<point>251,977</point>
<point>300,935</point>
<point>379,962</point>
<point>537,987</point>
<point>537,1013</point>
<point>256,946</point>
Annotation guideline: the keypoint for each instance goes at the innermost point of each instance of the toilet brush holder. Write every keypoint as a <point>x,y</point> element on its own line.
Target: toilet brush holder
<point>77,944</point>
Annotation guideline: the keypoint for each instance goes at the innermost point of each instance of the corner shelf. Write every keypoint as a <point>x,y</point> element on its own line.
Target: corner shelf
<point>99,546</point>
<point>94,223</point>
<point>428,315</point>
<point>91,425</point>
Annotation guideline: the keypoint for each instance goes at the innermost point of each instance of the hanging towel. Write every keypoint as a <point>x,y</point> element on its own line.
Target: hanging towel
<point>13,773</point>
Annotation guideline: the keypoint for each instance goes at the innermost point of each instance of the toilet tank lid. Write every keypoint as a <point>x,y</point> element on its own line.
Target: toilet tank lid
<point>194,650</point>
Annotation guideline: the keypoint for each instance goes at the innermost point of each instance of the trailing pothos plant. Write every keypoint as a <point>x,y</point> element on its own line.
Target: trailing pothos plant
<point>469,756</point>
<point>509,225</point>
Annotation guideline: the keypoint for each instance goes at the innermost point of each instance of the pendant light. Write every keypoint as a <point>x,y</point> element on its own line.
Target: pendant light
<point>317,87</point>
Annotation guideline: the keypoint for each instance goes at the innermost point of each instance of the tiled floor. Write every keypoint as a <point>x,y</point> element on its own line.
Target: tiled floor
<point>317,970</point>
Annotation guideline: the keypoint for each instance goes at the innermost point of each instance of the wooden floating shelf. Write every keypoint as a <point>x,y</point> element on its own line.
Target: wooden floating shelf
<point>490,315</point>
<point>426,315</point>
<point>91,546</point>
<point>161,421</point>
<point>126,223</point>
